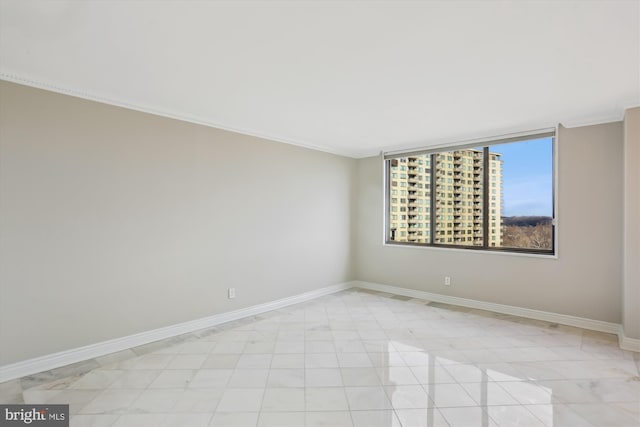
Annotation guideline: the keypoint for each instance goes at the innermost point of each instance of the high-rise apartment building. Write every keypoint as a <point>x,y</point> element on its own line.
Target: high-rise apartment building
<point>456,194</point>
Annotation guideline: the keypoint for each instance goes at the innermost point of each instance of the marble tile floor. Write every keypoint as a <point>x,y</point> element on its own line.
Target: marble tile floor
<point>355,358</point>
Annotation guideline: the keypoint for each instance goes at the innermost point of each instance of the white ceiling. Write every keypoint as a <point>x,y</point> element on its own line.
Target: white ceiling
<point>351,78</point>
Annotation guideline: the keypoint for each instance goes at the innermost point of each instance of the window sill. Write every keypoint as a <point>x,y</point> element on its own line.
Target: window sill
<point>473,251</point>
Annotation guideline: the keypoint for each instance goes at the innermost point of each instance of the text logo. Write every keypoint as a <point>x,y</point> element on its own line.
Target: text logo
<point>34,415</point>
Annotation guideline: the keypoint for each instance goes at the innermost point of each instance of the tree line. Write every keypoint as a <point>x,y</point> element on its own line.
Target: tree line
<point>533,232</point>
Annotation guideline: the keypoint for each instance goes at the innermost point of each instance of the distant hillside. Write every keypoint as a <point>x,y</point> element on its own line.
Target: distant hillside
<point>524,221</point>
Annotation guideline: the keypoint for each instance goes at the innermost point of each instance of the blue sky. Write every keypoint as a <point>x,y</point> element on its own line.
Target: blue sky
<point>527,177</point>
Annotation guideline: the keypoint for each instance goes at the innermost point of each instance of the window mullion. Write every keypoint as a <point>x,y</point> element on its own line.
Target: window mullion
<point>485,197</point>
<point>432,208</point>
<point>387,177</point>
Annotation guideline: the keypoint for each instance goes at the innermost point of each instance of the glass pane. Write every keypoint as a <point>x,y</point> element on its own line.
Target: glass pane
<point>459,197</point>
<point>410,199</point>
<point>526,190</point>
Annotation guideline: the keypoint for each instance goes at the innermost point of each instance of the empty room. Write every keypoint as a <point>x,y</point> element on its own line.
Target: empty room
<point>320,213</point>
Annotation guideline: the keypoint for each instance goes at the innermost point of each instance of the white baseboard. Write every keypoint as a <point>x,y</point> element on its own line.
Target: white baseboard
<point>67,357</point>
<point>564,319</point>
<point>626,343</point>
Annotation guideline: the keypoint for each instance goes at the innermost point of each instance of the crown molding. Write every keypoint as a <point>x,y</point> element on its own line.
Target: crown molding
<point>13,78</point>
<point>354,154</point>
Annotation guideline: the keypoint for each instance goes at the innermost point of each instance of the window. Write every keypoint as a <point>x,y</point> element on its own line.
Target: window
<point>494,196</point>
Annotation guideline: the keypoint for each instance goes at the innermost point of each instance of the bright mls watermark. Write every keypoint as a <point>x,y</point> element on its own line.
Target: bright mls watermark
<point>34,415</point>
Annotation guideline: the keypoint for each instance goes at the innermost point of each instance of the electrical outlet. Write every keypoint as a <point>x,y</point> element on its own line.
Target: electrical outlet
<point>232,293</point>
<point>447,281</point>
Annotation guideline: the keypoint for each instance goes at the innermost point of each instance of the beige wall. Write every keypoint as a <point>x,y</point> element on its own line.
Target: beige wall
<point>115,222</point>
<point>631,288</point>
<point>585,279</point>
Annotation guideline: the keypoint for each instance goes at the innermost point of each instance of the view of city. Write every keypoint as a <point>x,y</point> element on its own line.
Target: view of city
<point>440,199</point>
